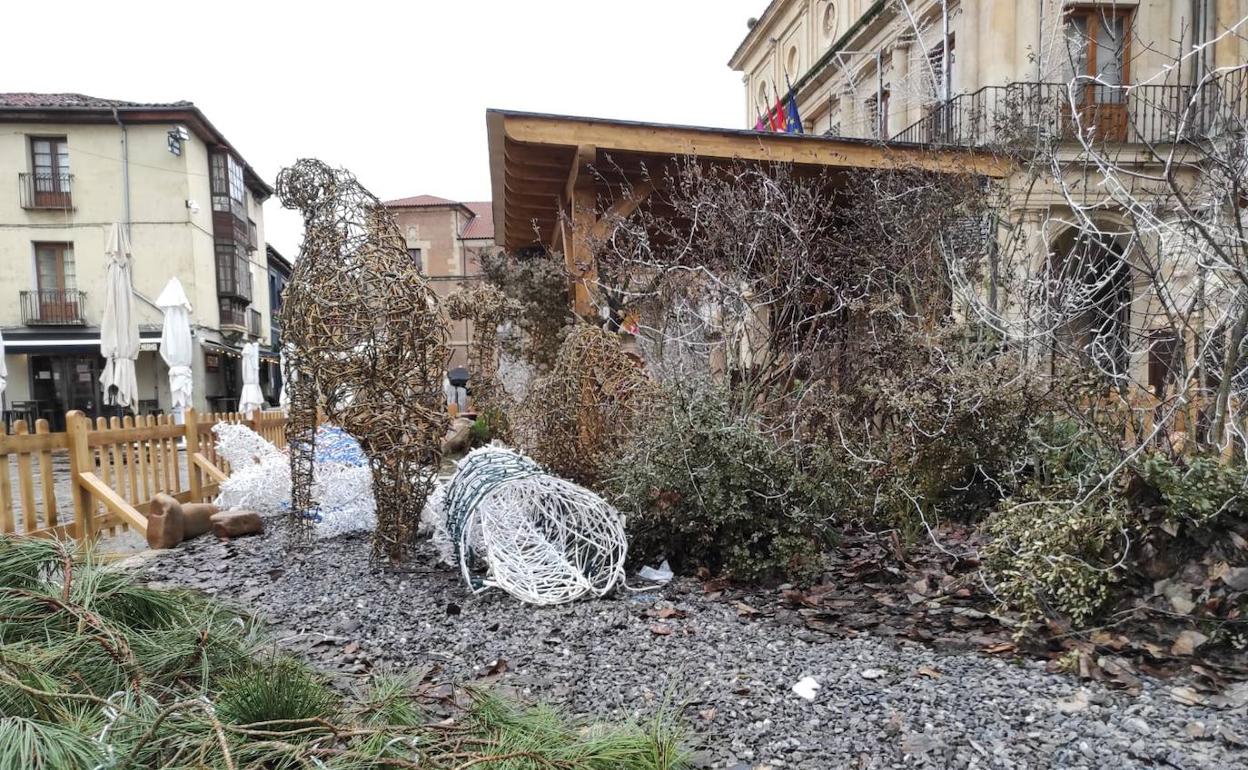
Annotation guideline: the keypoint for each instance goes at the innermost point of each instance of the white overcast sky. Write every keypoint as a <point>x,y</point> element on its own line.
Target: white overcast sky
<point>395,91</point>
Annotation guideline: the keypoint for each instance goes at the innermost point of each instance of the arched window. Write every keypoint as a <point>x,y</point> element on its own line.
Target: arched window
<point>791,63</point>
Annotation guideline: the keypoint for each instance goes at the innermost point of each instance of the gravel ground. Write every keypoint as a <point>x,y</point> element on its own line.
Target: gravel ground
<point>881,703</point>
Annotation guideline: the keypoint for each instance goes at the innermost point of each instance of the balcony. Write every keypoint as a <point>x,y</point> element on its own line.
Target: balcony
<point>46,191</point>
<point>54,307</point>
<point>1021,115</point>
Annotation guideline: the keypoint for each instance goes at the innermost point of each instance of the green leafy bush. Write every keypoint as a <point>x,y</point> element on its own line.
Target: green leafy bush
<point>1091,520</point>
<point>703,487</point>
<point>1196,492</point>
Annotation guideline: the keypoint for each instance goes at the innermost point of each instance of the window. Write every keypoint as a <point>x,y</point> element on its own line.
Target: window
<point>1098,49</point>
<point>233,270</point>
<point>936,58</point>
<point>49,163</point>
<point>415,256</point>
<point>875,115</point>
<point>228,191</point>
<point>54,267</point>
<point>792,63</point>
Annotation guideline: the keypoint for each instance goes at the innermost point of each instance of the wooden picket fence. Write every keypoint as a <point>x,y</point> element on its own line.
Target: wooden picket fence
<point>108,471</point>
<point>1177,422</point>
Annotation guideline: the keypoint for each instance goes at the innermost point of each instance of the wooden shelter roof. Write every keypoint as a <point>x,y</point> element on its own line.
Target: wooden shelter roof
<point>539,162</point>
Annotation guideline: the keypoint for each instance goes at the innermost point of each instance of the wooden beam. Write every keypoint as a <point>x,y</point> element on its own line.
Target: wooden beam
<point>620,209</point>
<point>205,465</point>
<point>113,501</point>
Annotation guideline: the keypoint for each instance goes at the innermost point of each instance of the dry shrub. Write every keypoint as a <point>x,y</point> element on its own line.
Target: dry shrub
<point>587,407</point>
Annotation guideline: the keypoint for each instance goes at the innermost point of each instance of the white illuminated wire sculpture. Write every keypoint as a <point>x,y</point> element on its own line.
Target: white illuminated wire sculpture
<point>540,538</point>
<point>260,479</point>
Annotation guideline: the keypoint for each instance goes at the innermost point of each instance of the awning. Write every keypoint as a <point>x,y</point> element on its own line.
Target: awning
<point>221,348</point>
<point>19,342</point>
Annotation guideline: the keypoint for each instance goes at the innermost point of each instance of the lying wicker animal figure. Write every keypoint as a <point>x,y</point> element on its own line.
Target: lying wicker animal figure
<point>511,525</point>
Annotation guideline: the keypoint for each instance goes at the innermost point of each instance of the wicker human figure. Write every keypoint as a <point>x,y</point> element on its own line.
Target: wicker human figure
<point>369,344</point>
<point>486,307</point>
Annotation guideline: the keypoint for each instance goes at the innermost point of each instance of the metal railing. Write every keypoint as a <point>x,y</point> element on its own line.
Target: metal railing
<point>46,190</point>
<point>1024,114</point>
<point>53,307</point>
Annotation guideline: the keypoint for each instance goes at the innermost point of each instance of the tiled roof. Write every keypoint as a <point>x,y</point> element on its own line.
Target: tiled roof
<point>21,99</point>
<point>482,223</point>
<point>421,200</point>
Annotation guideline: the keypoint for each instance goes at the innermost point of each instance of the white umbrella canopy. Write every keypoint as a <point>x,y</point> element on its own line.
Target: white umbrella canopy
<point>4,369</point>
<point>176,346</point>
<point>251,398</point>
<point>283,398</point>
<point>119,330</point>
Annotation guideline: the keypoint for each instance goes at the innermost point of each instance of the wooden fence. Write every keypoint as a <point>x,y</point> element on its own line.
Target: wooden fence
<point>100,476</point>
<point>1180,422</point>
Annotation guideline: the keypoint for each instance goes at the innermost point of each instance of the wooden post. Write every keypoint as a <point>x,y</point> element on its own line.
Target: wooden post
<point>192,448</point>
<point>77,426</point>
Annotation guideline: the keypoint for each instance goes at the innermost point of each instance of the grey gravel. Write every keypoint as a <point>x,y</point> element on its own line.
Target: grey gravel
<point>729,677</point>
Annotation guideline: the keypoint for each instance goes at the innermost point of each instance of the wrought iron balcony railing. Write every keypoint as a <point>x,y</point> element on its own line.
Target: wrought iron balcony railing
<point>42,190</point>
<point>54,307</point>
<point>1024,114</point>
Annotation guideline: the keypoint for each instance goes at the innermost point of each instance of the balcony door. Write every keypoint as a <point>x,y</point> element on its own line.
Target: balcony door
<point>56,283</point>
<point>49,160</point>
<point>1098,43</point>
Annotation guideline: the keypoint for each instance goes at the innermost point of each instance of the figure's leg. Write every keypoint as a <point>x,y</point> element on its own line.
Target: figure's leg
<point>301,440</point>
<point>404,470</point>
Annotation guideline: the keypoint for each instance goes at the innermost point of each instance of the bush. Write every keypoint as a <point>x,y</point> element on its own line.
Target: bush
<point>703,487</point>
<point>1090,522</point>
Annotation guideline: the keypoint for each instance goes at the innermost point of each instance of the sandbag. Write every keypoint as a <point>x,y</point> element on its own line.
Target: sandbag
<point>228,524</point>
<point>165,523</point>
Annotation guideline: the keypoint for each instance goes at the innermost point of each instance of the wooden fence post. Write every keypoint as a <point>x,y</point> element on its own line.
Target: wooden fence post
<point>192,449</point>
<point>77,426</point>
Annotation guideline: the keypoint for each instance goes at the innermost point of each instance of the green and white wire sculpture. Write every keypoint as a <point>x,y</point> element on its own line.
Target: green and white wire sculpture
<point>509,524</point>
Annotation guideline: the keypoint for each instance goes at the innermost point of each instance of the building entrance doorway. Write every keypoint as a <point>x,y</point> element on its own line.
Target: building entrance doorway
<point>65,382</point>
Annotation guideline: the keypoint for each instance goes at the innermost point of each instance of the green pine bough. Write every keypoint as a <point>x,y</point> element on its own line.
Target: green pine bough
<point>100,672</point>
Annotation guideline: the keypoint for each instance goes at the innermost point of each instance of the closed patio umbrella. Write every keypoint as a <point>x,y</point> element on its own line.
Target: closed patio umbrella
<point>175,344</point>
<point>251,398</point>
<point>119,330</point>
<point>4,369</point>
<point>283,398</point>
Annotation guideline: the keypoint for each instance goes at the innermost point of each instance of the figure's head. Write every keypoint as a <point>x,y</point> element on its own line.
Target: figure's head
<point>304,184</point>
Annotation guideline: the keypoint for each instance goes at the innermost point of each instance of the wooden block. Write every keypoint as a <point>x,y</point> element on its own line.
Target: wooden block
<point>228,524</point>
<point>165,525</point>
<point>197,518</point>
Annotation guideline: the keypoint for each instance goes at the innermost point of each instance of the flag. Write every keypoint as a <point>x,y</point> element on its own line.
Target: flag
<point>759,125</point>
<point>794,119</point>
<point>780,124</point>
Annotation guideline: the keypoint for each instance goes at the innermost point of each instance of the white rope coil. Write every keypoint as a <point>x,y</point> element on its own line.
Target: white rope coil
<point>513,526</point>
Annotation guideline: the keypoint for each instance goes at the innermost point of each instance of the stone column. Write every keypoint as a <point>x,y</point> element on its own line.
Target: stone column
<point>902,90</point>
<point>966,71</point>
<point>997,41</point>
